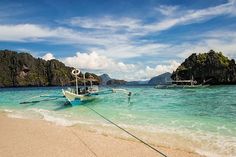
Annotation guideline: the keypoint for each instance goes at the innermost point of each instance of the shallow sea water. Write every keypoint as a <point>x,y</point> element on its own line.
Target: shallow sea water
<point>201,120</point>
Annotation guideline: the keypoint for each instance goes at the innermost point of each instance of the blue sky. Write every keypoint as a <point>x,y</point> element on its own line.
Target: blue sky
<point>132,40</point>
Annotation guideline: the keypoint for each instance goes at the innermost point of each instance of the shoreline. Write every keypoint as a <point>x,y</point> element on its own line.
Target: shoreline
<point>31,137</point>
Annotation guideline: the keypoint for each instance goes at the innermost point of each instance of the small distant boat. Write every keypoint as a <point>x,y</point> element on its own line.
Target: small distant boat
<point>175,86</point>
<point>181,84</point>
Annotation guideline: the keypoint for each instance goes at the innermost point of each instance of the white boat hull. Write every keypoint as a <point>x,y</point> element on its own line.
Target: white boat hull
<point>76,99</point>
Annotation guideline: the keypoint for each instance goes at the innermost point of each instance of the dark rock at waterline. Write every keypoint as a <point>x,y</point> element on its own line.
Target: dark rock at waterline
<point>207,68</point>
<point>22,69</point>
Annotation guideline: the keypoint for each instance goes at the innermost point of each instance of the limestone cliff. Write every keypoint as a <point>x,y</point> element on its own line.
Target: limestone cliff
<point>212,67</point>
<point>22,69</point>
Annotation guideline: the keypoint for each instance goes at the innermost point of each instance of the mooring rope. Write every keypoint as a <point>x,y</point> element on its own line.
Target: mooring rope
<point>86,145</point>
<point>159,152</point>
<point>48,98</point>
<point>37,101</point>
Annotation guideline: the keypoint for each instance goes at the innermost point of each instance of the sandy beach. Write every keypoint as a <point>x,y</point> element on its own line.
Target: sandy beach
<point>26,137</point>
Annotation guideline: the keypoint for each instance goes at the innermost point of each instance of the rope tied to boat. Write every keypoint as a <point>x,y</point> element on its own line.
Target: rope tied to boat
<point>137,138</point>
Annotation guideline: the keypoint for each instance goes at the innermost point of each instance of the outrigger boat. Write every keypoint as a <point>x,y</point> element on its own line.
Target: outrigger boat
<point>83,94</point>
<point>181,84</point>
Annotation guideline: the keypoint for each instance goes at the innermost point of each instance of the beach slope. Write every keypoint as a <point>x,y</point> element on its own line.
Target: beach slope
<point>38,138</point>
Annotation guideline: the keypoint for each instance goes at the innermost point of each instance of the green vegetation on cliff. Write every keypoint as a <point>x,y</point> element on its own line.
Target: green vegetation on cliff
<point>22,69</point>
<point>211,66</point>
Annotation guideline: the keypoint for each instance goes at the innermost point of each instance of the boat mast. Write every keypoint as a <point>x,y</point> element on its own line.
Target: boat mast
<point>84,79</point>
<point>90,78</point>
<point>76,82</point>
<point>192,81</point>
<point>76,72</point>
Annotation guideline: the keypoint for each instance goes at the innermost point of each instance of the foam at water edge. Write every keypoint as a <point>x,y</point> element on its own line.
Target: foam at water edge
<point>16,116</point>
<point>8,111</point>
<point>48,116</point>
<point>223,144</point>
<point>43,114</point>
<point>210,154</point>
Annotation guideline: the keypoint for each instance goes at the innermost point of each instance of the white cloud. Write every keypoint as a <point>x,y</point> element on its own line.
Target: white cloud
<point>129,50</point>
<point>106,23</point>
<point>220,41</point>
<point>58,35</point>
<point>174,15</point>
<point>119,70</point>
<point>48,56</point>
<point>167,10</point>
<point>23,32</point>
<point>94,61</point>
<point>189,16</point>
<point>149,72</point>
<point>142,72</point>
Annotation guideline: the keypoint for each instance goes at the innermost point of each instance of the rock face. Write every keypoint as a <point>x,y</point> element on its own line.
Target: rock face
<point>209,68</point>
<point>107,80</point>
<point>22,69</point>
<point>94,76</point>
<point>104,79</point>
<point>160,79</point>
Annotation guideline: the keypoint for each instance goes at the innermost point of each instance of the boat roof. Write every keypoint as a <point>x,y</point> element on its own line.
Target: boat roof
<point>182,81</point>
<point>85,80</point>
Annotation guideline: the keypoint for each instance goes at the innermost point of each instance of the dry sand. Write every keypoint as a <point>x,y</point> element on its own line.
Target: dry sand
<point>38,138</point>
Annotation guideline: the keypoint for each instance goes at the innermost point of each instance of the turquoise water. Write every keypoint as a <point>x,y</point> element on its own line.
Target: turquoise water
<point>200,120</point>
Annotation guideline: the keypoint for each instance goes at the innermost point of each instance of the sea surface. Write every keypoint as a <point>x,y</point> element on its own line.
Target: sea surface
<point>201,120</point>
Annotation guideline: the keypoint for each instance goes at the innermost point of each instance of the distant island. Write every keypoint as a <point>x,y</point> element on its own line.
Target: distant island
<point>207,68</point>
<point>22,69</point>
<point>107,80</point>
<point>160,79</point>
<point>104,79</point>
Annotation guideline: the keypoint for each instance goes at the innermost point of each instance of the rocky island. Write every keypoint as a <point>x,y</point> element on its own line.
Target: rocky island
<point>22,69</point>
<point>160,79</point>
<point>107,80</point>
<point>211,68</point>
